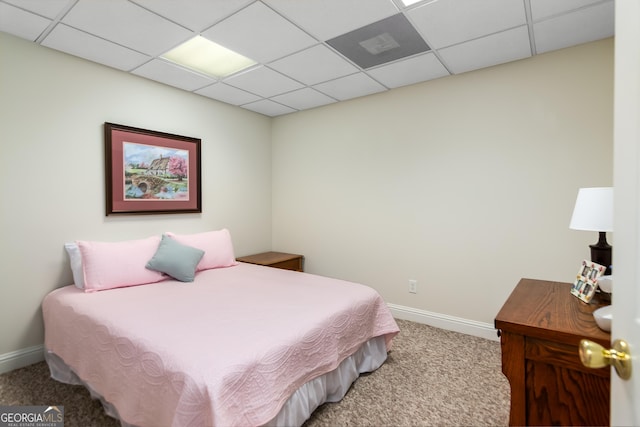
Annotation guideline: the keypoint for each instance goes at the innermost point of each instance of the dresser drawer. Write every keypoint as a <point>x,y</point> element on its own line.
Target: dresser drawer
<point>559,354</point>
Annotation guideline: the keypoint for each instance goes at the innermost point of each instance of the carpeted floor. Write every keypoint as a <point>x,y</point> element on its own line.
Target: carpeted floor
<point>432,377</point>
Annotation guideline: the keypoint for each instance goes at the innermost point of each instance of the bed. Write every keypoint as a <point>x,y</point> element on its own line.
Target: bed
<point>239,345</point>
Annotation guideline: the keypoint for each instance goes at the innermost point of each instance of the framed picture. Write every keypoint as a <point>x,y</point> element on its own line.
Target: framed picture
<point>586,281</point>
<point>150,172</point>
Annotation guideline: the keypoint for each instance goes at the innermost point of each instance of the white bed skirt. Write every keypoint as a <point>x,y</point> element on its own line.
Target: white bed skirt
<point>330,387</point>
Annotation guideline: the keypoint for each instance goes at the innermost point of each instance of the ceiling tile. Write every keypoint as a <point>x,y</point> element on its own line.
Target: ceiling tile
<point>78,43</point>
<point>20,23</point>
<point>50,8</point>
<point>259,33</point>
<point>314,65</point>
<point>173,75</point>
<point>304,99</point>
<point>229,94</point>
<point>582,26</point>
<point>326,19</point>
<point>197,15</point>
<point>127,24</point>
<point>350,87</point>
<point>445,23</point>
<point>409,71</point>
<point>541,9</point>
<point>268,108</point>
<point>495,49</point>
<point>263,81</point>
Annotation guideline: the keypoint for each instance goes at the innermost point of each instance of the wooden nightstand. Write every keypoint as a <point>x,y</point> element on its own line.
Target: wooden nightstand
<point>275,259</point>
<point>540,326</point>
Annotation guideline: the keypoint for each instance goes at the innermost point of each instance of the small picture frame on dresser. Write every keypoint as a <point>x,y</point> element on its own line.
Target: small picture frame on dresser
<point>586,283</point>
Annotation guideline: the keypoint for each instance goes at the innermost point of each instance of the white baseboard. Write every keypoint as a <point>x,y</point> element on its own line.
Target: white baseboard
<point>443,321</point>
<point>21,358</point>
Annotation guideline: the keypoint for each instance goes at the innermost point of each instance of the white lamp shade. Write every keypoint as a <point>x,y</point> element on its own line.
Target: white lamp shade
<point>593,210</point>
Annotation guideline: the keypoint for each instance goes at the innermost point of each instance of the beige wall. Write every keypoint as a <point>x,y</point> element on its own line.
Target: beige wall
<point>52,108</point>
<point>465,184</point>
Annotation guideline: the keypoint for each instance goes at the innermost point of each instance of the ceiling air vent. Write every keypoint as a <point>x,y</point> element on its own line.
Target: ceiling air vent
<point>384,41</point>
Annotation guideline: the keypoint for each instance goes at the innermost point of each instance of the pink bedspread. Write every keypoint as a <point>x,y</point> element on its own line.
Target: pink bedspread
<point>227,349</point>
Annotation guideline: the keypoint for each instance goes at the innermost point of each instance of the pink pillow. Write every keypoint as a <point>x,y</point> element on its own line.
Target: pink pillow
<point>109,265</point>
<point>217,247</point>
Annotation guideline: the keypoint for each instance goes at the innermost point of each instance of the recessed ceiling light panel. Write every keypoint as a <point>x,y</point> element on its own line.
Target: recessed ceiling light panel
<point>202,55</point>
<point>384,41</point>
<point>408,3</point>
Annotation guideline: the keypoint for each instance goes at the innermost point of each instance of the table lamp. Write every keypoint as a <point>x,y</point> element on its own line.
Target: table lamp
<point>594,212</point>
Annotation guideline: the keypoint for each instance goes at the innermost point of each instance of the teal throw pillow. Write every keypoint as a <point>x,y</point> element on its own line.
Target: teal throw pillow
<point>175,259</point>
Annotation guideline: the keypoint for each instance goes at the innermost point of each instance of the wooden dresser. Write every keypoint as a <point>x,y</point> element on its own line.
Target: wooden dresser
<point>540,326</point>
<point>276,259</point>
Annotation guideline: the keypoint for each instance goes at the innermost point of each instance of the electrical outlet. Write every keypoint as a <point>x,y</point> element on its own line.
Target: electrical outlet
<point>413,286</point>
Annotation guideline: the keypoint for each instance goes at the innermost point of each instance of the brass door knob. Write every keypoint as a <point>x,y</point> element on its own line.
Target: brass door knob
<point>593,355</point>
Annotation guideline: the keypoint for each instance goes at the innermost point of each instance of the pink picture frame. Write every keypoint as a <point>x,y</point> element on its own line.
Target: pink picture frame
<point>586,283</point>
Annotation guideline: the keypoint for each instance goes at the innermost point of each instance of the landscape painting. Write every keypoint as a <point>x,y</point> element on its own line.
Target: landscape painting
<point>155,173</point>
<point>149,172</point>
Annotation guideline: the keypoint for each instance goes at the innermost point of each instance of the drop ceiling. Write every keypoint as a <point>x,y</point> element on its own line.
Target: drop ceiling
<point>309,53</point>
